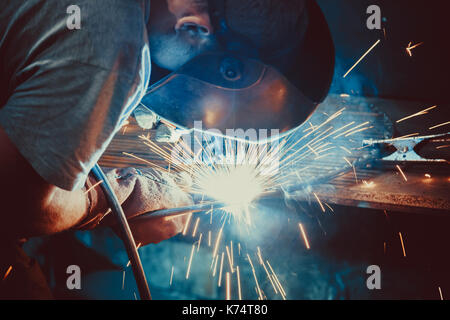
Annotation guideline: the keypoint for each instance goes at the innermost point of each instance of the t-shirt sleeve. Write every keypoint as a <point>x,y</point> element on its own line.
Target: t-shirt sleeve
<point>66,104</point>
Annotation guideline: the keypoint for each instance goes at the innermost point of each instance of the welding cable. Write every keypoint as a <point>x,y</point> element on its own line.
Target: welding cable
<point>127,236</point>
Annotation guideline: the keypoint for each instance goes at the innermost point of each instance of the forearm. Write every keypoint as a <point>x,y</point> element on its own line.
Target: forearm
<point>57,210</point>
<point>62,211</point>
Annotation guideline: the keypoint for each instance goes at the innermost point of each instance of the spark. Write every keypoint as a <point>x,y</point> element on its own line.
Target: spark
<point>231,252</point>
<point>190,262</point>
<point>302,230</point>
<point>277,281</point>
<point>137,248</point>
<point>228,287</point>
<point>199,241</point>
<point>229,259</point>
<point>352,129</point>
<point>259,255</point>
<point>123,280</point>
<point>440,293</point>
<point>215,265</point>
<point>239,283</point>
<point>319,202</point>
<point>171,276</point>
<point>360,59</point>
<point>443,146</point>
<point>195,227</point>
<point>186,226</point>
<point>261,261</point>
<point>345,149</point>
<point>329,207</point>
<point>359,130</point>
<point>216,246</point>
<point>219,283</point>
<point>91,188</point>
<point>256,279</point>
<point>420,113</point>
<point>8,271</point>
<point>406,136</point>
<point>409,48</point>
<point>439,125</point>
<point>403,245</point>
<point>402,173</point>
<point>427,175</point>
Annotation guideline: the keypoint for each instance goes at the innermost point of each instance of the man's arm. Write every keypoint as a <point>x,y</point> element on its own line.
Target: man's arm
<point>31,206</point>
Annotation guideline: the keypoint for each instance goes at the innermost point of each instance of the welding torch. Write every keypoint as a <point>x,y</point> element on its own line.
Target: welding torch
<point>197,208</point>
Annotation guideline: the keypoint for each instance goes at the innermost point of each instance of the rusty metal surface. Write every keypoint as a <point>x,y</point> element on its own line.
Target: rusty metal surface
<point>386,189</point>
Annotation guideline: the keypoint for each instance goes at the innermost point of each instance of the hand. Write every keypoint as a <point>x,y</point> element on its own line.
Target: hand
<point>146,190</point>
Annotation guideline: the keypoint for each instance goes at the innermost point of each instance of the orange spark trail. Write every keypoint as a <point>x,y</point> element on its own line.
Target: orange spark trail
<point>280,287</point>
<point>360,59</point>
<point>401,171</point>
<point>320,203</point>
<point>220,272</point>
<point>440,293</point>
<point>88,190</point>
<point>304,236</point>
<point>420,113</point>
<point>239,283</point>
<point>228,285</point>
<point>439,125</point>
<point>215,266</point>
<point>195,227</point>
<point>229,259</point>
<point>403,245</point>
<point>199,241</point>
<point>186,226</point>
<point>190,262</point>
<point>219,236</point>
<point>254,275</point>
<point>137,248</point>
<point>409,48</point>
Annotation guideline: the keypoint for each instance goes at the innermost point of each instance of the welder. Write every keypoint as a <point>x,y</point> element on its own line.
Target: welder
<point>65,93</point>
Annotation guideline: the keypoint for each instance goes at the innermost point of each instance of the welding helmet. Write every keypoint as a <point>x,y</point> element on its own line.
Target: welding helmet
<point>241,87</point>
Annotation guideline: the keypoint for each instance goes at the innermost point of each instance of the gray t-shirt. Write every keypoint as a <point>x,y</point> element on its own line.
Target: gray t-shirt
<point>65,93</point>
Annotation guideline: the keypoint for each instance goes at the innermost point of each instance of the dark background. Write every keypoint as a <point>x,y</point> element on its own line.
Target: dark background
<point>389,71</point>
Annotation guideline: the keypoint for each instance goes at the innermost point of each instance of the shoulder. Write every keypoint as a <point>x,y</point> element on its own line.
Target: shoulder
<point>38,30</point>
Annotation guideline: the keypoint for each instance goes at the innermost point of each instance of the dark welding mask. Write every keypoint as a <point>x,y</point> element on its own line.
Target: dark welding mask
<point>241,87</point>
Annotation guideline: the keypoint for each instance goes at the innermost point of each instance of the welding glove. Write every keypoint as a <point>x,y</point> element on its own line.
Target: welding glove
<point>145,190</point>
